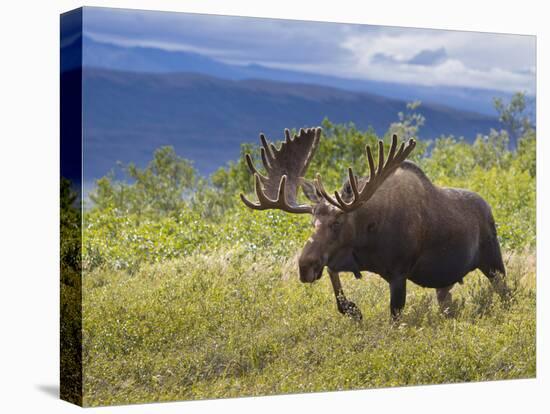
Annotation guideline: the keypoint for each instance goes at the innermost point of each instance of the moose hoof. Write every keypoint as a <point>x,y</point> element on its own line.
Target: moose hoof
<point>350,309</point>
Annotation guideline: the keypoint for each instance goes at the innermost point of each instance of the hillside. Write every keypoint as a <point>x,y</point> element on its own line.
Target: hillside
<point>128,115</point>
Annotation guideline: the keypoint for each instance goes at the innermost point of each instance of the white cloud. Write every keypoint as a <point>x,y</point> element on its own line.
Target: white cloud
<point>480,60</point>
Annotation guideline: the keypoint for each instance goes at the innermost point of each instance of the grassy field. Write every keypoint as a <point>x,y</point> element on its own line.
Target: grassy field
<point>235,323</point>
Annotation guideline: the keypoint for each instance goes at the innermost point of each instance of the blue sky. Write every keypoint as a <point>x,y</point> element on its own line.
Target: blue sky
<point>502,62</point>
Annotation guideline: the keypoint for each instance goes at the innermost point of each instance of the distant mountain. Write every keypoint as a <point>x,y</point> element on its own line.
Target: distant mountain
<point>128,115</point>
<point>154,60</point>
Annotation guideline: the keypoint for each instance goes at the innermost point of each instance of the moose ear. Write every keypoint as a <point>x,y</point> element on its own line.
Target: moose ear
<point>310,191</point>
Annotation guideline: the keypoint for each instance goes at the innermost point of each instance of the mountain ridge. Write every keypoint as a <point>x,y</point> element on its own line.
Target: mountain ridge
<point>145,59</point>
<point>127,115</point>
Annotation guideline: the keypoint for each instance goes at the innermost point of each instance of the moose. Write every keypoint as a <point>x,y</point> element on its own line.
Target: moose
<point>394,223</point>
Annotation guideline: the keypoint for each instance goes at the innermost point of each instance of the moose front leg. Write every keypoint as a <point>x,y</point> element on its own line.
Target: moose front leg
<point>345,306</point>
<point>398,295</point>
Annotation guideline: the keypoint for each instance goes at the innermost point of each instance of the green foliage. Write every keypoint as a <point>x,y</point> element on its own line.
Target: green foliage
<point>156,190</point>
<point>71,294</point>
<point>341,146</point>
<point>526,153</point>
<point>126,242</point>
<point>513,115</point>
<point>409,122</point>
<point>70,227</point>
<point>213,198</point>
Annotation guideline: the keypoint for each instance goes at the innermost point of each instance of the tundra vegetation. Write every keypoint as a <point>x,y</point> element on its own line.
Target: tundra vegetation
<point>188,294</point>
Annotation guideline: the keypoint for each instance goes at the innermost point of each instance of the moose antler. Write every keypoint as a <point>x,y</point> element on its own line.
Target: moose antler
<point>376,177</point>
<point>285,169</point>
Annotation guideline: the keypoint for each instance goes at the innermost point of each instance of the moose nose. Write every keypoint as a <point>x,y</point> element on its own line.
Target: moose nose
<point>306,274</point>
<point>310,272</point>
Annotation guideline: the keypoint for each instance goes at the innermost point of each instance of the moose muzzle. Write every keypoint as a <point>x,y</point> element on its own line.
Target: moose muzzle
<point>309,274</point>
<point>311,263</point>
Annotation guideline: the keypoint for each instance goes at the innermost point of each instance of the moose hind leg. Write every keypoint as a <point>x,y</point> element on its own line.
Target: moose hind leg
<point>493,268</point>
<point>497,279</point>
<point>491,263</point>
<point>398,295</point>
<point>345,307</point>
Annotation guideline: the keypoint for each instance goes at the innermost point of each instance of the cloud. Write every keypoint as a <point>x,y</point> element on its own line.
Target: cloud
<point>404,55</point>
<point>384,59</point>
<point>445,58</point>
<point>429,57</point>
<point>425,57</point>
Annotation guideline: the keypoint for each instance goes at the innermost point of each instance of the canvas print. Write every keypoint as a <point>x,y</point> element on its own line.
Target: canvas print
<point>253,207</point>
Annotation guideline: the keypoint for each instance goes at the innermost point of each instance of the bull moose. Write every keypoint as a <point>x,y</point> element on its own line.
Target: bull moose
<point>394,222</point>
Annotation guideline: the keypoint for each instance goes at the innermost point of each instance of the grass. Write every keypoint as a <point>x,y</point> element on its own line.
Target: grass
<point>239,323</point>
